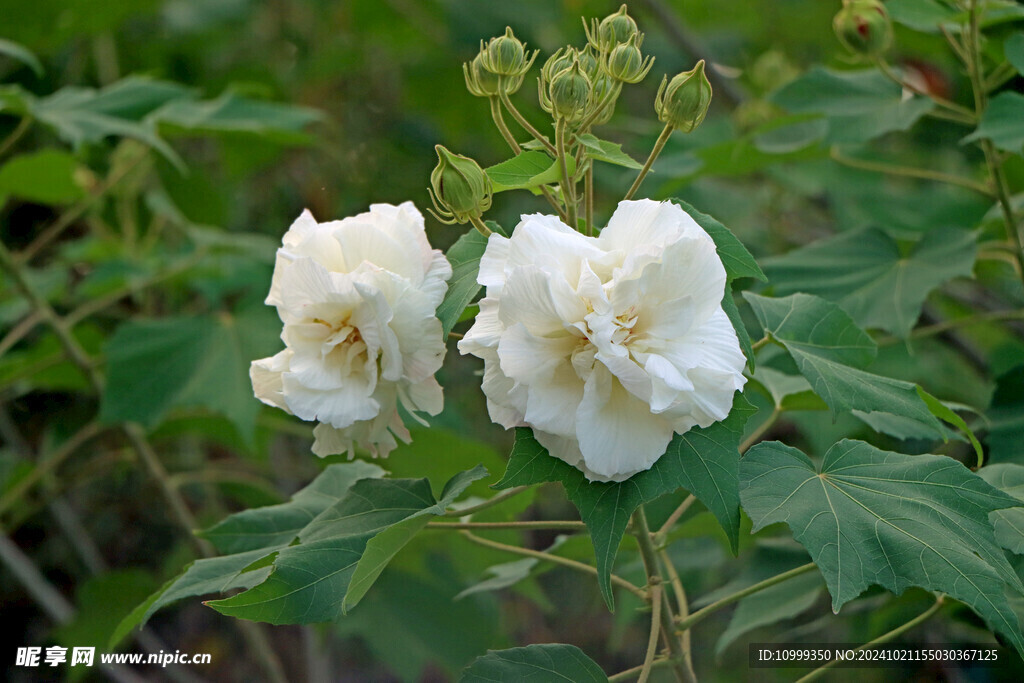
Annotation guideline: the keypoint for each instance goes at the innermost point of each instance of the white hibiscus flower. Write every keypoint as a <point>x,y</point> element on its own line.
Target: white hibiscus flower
<point>357,298</point>
<point>606,346</point>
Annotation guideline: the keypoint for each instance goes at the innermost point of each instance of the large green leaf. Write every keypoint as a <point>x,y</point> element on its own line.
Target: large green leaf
<point>47,177</point>
<point>233,113</point>
<point>1008,523</point>
<point>157,365</point>
<point>209,575</point>
<point>309,581</point>
<point>703,461</point>
<point>860,105</point>
<point>866,274</point>
<point>81,115</point>
<point>874,517</point>
<point>829,349</point>
<point>1002,122</point>
<point>277,525</point>
<point>535,663</point>
<point>385,545</point>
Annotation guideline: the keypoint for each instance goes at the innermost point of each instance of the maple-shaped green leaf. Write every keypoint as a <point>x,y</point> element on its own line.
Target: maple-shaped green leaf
<point>872,517</point>
<point>276,525</point>
<point>866,273</point>
<point>1008,523</point>
<point>829,350</point>
<point>535,663</point>
<point>705,462</point>
<point>157,365</point>
<point>309,581</point>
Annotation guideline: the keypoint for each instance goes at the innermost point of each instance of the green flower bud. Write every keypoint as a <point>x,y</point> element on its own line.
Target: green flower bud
<point>560,61</point>
<point>506,55</point>
<point>483,83</point>
<point>602,85</point>
<point>863,27</point>
<point>683,102</point>
<point>611,31</point>
<point>459,188</point>
<point>626,63</point>
<point>590,63</point>
<point>569,93</point>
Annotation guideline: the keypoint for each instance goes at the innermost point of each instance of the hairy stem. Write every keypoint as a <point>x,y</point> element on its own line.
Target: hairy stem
<point>496,500</point>
<point>652,639</point>
<point>548,557</point>
<point>756,435</point>
<point>885,638</point>
<point>659,145</point>
<point>662,534</point>
<point>701,614</point>
<point>682,667</point>
<point>521,120</point>
<point>499,121</point>
<point>16,134</point>
<point>909,172</point>
<point>568,184</point>
<point>975,71</point>
<point>483,526</point>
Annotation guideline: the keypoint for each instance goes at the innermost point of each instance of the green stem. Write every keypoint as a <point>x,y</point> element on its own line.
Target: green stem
<point>556,559</point>
<point>681,665</point>
<point>895,633</point>
<point>480,226</point>
<point>760,343</point>
<point>682,604</point>
<point>500,498</point>
<point>521,120</point>
<point>609,96</point>
<point>482,526</point>
<point>66,219</point>
<point>568,184</point>
<point>662,534</point>
<point>995,166</point>
<point>499,121</point>
<point>630,674</point>
<point>47,464</point>
<point>652,639</point>
<point>666,133</point>
<point>756,435</point>
<point>16,134</point>
<point>946,325</point>
<point>588,191</point>
<point>702,614</point>
<point>909,172</point>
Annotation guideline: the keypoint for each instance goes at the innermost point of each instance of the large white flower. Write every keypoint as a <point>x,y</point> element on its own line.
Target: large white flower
<point>606,346</point>
<point>357,298</point>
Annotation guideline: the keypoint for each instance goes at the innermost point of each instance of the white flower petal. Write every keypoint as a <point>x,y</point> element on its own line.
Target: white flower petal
<point>618,434</point>
<point>266,378</point>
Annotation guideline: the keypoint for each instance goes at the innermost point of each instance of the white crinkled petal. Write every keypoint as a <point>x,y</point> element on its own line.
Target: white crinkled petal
<point>618,434</point>
<point>266,378</point>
